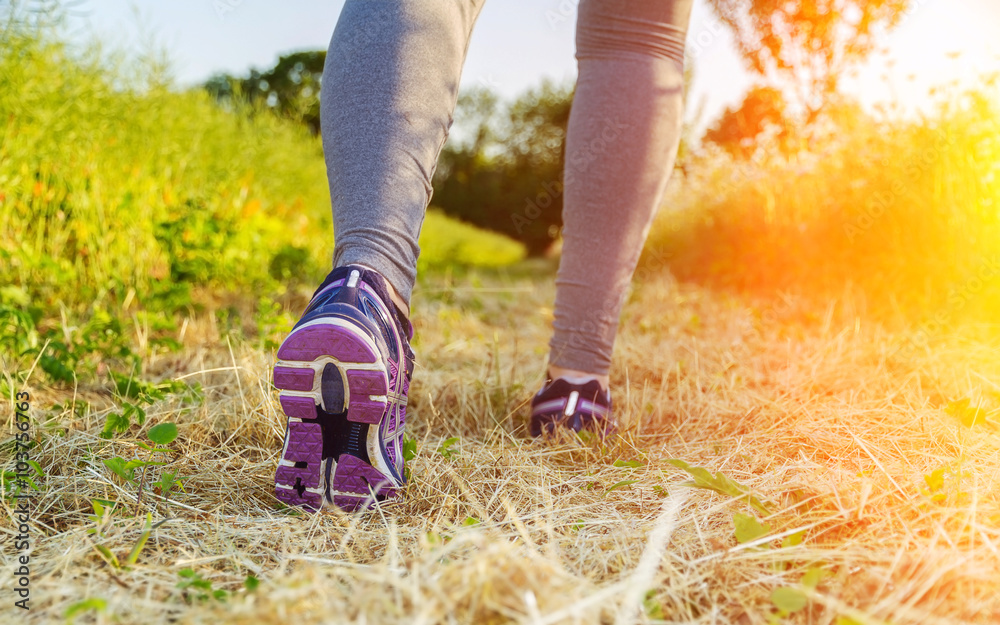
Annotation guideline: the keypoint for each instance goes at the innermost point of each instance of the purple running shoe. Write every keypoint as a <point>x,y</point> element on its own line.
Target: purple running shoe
<point>343,374</point>
<point>578,407</point>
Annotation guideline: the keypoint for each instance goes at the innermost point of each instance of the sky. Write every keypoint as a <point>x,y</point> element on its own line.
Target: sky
<point>517,43</point>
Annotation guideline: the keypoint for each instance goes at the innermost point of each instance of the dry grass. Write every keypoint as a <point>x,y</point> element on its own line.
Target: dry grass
<point>810,410</point>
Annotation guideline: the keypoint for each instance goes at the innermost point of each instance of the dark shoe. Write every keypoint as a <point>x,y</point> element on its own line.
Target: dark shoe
<point>562,404</point>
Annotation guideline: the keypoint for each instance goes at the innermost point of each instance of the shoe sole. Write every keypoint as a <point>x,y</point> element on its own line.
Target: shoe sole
<point>333,387</point>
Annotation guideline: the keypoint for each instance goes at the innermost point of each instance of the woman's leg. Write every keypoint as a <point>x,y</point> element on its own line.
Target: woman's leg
<point>624,129</point>
<point>389,89</point>
<point>390,85</point>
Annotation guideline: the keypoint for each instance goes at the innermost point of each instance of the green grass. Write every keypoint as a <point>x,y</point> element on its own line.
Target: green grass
<point>125,203</point>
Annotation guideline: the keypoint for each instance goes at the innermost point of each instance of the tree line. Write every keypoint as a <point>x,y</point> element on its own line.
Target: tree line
<point>502,169</point>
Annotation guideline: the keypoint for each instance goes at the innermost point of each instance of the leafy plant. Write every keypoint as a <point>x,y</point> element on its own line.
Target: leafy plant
<point>445,449</point>
<point>193,586</point>
<point>137,548</point>
<point>162,434</point>
<point>168,482</point>
<point>124,469</point>
<point>10,482</point>
<point>944,483</point>
<point>793,540</point>
<point>652,606</point>
<point>935,483</point>
<point>101,518</point>
<point>747,528</point>
<point>135,394</point>
<point>409,453</point>
<point>721,484</point>
<point>788,600</point>
<point>969,415</point>
<point>120,422</point>
<point>617,485</point>
<point>91,603</point>
<point>18,330</point>
<point>628,464</point>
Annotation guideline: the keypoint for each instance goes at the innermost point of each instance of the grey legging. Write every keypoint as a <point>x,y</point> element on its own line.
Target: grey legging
<point>389,89</point>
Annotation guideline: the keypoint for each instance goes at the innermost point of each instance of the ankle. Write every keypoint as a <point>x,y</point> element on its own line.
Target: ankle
<point>577,377</point>
<point>401,304</point>
<point>403,307</point>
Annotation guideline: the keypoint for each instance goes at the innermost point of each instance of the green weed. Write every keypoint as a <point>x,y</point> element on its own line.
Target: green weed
<point>91,603</point>
<point>194,587</point>
<point>721,484</point>
<point>133,555</point>
<point>445,448</point>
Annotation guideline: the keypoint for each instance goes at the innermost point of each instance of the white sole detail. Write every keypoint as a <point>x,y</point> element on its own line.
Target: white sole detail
<point>574,396</point>
<point>315,491</point>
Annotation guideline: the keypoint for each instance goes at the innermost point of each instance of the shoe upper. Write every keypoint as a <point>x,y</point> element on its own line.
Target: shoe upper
<point>561,403</point>
<point>360,295</point>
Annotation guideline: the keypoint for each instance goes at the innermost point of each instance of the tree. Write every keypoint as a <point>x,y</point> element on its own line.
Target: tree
<point>290,88</point>
<point>737,129</point>
<point>504,172</point>
<point>807,45</point>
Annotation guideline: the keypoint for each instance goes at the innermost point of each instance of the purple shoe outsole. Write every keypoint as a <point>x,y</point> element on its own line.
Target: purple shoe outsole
<point>355,481</point>
<point>303,477</point>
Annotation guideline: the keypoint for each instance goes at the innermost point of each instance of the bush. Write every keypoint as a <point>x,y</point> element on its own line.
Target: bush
<point>905,211</point>
<point>120,194</point>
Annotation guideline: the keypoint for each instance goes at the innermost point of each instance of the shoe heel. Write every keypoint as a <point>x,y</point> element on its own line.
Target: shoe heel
<point>367,399</point>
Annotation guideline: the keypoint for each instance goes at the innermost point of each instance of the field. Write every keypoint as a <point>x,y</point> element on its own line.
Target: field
<point>804,442</point>
<point>871,490</point>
